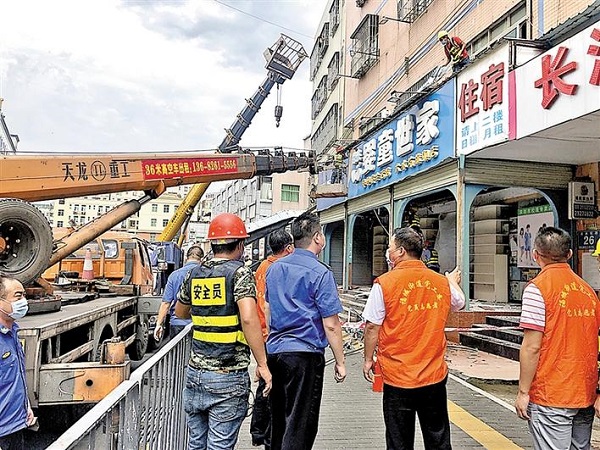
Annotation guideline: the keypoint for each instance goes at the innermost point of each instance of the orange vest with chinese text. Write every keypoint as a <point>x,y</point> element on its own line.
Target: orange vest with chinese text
<point>567,372</point>
<point>412,342</point>
<point>261,287</point>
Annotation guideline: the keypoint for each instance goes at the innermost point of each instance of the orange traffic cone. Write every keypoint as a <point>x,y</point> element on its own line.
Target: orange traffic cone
<point>88,266</point>
<point>377,378</point>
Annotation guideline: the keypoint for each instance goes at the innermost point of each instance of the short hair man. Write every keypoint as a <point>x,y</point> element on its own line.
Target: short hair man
<point>193,257</point>
<point>304,307</point>
<point>281,244</point>
<point>455,50</point>
<point>220,294</point>
<point>406,315</point>
<point>558,381</point>
<point>15,411</point>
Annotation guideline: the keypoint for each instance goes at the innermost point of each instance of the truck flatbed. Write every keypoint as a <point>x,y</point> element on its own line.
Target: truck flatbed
<point>71,316</point>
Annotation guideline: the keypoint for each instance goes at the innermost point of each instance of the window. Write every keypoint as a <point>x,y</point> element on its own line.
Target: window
<point>513,24</point>
<point>60,223</point>
<point>132,224</point>
<point>61,201</point>
<point>165,208</point>
<point>111,248</point>
<point>334,17</point>
<point>266,189</point>
<point>333,71</point>
<point>61,212</point>
<point>290,193</point>
<point>154,207</point>
<point>165,222</point>
<point>365,46</point>
<point>152,222</point>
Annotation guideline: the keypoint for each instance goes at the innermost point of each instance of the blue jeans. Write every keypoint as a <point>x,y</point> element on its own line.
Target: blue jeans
<point>216,404</point>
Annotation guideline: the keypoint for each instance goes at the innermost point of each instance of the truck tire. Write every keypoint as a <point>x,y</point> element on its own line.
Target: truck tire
<point>138,348</point>
<point>25,240</point>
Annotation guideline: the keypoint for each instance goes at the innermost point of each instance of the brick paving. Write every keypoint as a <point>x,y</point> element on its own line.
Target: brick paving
<point>351,415</point>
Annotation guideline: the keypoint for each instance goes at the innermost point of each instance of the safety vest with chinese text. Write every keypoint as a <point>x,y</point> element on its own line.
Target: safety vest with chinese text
<point>412,342</point>
<point>217,335</point>
<point>567,372</point>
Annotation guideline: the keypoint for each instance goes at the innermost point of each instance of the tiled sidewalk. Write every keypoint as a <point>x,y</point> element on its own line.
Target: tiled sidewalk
<point>352,418</point>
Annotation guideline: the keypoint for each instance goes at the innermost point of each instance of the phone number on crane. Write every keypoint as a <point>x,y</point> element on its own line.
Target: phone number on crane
<point>157,169</point>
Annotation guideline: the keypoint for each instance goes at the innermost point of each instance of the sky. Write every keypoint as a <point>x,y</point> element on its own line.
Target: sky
<point>108,76</point>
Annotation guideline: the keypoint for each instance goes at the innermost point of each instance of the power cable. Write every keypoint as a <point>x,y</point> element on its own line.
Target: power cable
<point>220,2</point>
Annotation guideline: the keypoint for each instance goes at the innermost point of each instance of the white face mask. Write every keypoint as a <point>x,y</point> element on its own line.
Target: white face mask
<point>19,309</point>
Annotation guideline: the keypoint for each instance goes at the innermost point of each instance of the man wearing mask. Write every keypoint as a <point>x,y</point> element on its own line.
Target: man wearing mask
<point>15,412</point>
<point>220,294</point>
<point>304,304</point>
<point>406,315</point>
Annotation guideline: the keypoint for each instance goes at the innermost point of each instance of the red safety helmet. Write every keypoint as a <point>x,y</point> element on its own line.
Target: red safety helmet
<point>226,228</point>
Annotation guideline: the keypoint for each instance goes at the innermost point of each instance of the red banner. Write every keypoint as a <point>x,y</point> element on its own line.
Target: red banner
<point>156,169</point>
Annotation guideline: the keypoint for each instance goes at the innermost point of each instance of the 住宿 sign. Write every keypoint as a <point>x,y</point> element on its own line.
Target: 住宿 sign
<point>560,84</point>
<point>415,141</point>
<point>482,103</point>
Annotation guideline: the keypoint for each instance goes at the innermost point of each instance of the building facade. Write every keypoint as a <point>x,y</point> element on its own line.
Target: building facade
<point>263,196</point>
<point>460,154</point>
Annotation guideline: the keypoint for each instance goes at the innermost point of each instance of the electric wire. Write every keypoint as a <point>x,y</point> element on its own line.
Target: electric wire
<point>220,2</point>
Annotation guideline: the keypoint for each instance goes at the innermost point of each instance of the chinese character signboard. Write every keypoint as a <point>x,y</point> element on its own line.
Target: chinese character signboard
<point>482,103</point>
<point>559,85</point>
<point>156,169</point>
<point>417,140</point>
<point>582,200</point>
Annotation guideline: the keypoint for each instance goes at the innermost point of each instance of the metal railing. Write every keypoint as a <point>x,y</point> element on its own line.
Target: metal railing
<point>144,412</point>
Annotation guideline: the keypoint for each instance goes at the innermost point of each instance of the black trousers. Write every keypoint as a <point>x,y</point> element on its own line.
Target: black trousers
<point>295,399</point>
<point>260,423</point>
<point>429,403</point>
<point>13,441</point>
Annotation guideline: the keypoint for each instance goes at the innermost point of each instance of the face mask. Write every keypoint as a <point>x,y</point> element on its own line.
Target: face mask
<point>19,309</point>
<point>390,263</point>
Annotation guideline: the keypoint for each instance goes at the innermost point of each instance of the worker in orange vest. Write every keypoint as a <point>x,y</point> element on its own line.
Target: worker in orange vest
<point>455,50</point>
<point>282,244</point>
<point>406,315</point>
<point>558,382</point>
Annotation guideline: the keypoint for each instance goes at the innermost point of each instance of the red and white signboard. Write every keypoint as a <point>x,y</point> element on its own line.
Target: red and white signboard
<point>558,85</point>
<point>482,103</point>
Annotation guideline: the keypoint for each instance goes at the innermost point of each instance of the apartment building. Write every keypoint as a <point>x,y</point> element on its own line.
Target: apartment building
<point>263,196</point>
<point>457,153</point>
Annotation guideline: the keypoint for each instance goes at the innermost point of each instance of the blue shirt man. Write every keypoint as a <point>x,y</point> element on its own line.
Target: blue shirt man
<point>304,306</point>
<point>194,256</point>
<point>15,413</point>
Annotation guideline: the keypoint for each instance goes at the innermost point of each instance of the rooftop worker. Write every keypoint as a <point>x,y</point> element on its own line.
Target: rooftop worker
<point>282,244</point>
<point>558,381</point>
<point>15,412</point>
<point>406,314</point>
<point>455,50</point>
<point>220,294</point>
<point>193,256</point>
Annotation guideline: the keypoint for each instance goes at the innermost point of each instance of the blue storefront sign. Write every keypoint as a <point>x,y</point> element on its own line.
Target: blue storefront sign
<point>419,139</point>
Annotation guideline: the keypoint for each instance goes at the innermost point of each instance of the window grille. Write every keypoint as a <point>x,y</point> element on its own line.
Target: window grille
<point>365,46</point>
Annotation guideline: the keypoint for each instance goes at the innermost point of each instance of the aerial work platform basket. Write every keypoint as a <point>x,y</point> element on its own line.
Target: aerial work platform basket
<point>285,56</point>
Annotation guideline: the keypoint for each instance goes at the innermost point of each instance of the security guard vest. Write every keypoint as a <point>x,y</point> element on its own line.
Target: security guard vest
<point>567,372</point>
<point>412,341</point>
<point>218,341</point>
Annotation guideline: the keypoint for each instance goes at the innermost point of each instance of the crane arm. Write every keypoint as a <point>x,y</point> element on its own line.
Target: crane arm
<point>36,178</point>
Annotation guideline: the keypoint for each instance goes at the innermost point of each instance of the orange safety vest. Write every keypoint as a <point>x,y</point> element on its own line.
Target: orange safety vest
<point>567,372</point>
<point>261,287</point>
<point>412,342</point>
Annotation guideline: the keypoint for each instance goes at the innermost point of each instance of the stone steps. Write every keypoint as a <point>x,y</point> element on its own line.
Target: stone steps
<point>504,343</point>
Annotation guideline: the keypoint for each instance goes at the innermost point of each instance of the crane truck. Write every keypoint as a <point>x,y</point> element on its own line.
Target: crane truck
<point>65,349</point>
